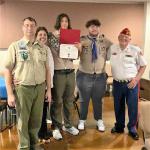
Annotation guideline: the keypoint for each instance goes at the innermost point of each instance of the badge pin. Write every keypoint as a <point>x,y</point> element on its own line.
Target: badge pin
<point>24,55</point>
<point>22,45</point>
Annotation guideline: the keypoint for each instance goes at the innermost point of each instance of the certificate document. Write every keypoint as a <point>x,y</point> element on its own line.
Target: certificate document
<point>68,51</point>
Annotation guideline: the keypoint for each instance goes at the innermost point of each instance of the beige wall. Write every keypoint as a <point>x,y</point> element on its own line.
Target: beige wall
<point>114,17</point>
<point>147,40</point>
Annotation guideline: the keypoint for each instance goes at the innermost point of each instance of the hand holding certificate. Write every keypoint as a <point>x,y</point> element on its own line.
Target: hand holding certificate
<point>68,39</point>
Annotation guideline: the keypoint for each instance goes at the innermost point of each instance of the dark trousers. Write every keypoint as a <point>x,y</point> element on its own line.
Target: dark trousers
<point>43,130</point>
<point>91,86</point>
<point>123,95</point>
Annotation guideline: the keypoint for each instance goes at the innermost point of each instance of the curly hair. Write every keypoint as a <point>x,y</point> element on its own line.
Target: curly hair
<point>95,22</point>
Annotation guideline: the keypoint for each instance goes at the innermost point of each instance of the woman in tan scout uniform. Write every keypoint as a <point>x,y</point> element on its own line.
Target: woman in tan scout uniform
<point>91,77</point>
<point>27,66</point>
<point>41,35</point>
<point>64,82</point>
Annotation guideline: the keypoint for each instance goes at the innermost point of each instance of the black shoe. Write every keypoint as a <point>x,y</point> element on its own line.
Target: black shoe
<point>48,135</point>
<point>49,132</point>
<point>41,135</point>
<point>115,130</point>
<point>134,135</point>
<point>45,136</point>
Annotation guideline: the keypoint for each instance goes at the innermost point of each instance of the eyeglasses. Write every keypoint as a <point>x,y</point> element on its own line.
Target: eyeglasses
<point>29,25</point>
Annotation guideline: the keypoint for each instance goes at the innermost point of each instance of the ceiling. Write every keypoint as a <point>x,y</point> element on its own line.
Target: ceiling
<point>89,1</point>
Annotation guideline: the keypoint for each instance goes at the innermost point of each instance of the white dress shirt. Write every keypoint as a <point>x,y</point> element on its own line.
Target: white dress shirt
<point>125,63</point>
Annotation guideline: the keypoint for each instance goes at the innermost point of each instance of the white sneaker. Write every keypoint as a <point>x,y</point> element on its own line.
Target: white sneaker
<point>49,121</point>
<point>57,135</point>
<point>71,130</point>
<point>81,124</point>
<point>100,125</point>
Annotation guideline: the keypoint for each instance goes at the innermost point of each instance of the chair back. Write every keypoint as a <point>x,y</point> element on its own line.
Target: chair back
<point>3,92</point>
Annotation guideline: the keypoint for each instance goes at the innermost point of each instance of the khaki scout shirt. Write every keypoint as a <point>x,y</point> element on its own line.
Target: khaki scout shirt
<point>86,65</point>
<point>27,62</point>
<point>59,63</point>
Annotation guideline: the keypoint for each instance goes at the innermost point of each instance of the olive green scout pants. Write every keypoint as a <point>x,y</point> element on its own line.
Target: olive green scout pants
<point>63,96</point>
<point>29,106</point>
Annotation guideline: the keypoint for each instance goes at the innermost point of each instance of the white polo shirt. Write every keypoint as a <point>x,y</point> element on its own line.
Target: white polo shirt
<point>125,63</point>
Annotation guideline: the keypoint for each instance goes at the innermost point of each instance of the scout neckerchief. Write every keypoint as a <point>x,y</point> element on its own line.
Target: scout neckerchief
<point>94,48</point>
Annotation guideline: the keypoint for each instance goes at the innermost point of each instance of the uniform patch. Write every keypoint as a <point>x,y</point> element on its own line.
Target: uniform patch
<point>141,53</point>
<point>23,52</point>
<point>24,55</point>
<point>22,45</point>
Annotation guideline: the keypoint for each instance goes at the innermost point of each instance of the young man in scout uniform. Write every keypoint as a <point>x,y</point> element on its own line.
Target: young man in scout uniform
<point>91,77</point>
<point>128,65</point>
<point>64,83</point>
<point>27,69</point>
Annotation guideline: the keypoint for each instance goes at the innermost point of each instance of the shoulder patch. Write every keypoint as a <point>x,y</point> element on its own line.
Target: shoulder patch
<point>101,38</point>
<point>141,53</point>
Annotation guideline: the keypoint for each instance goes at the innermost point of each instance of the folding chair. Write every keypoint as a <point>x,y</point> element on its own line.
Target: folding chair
<point>3,105</point>
<point>5,111</point>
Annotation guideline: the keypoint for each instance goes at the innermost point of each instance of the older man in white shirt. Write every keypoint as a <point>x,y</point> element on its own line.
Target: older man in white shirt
<point>128,65</point>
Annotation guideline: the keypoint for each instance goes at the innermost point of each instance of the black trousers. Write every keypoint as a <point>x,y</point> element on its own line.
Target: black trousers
<point>43,130</point>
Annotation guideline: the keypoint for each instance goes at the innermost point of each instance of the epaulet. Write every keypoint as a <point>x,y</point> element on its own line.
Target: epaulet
<point>102,37</point>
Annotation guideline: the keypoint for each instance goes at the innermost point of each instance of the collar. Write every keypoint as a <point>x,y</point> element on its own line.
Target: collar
<point>98,37</point>
<point>24,42</point>
<point>125,49</point>
<point>91,37</point>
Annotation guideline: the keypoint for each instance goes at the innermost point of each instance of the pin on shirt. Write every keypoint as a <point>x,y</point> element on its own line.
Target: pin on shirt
<point>23,50</point>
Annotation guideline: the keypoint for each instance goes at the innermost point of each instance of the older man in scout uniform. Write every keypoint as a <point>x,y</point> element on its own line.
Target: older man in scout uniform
<point>91,77</point>
<point>128,65</point>
<point>27,68</point>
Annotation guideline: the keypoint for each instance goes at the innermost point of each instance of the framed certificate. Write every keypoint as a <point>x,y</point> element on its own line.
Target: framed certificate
<point>69,36</point>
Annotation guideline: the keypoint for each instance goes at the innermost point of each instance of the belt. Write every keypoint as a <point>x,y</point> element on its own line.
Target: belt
<point>123,81</point>
<point>64,71</point>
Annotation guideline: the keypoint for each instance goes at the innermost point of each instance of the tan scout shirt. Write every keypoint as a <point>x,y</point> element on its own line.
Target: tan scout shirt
<point>86,65</point>
<point>59,63</point>
<point>27,62</point>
